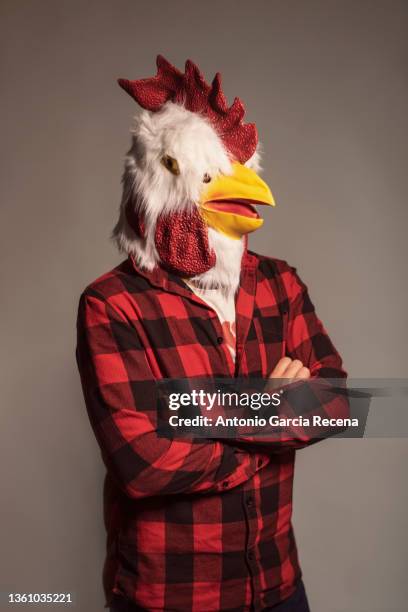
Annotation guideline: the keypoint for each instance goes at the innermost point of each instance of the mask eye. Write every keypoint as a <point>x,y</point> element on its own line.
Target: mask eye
<point>206,178</point>
<point>171,164</point>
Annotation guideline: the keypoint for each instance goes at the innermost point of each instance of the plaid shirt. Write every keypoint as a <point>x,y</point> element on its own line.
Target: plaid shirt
<point>194,524</point>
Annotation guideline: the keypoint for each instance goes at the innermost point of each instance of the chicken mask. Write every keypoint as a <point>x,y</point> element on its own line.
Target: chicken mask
<point>190,186</point>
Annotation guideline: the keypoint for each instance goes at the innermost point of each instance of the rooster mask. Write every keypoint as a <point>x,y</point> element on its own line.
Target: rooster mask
<point>190,185</point>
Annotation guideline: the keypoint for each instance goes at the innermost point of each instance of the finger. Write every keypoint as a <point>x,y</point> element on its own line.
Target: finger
<point>280,368</point>
<point>293,369</point>
<point>303,374</point>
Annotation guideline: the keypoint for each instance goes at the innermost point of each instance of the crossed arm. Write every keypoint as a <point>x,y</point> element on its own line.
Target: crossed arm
<point>114,371</point>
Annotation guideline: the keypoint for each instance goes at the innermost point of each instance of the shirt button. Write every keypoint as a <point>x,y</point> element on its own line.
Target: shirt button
<point>250,502</point>
<point>251,555</point>
<point>220,339</point>
<point>225,484</point>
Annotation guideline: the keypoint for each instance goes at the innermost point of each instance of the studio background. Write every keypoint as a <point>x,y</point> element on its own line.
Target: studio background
<point>326,83</point>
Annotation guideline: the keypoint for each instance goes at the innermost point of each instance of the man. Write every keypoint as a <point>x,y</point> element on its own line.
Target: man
<point>195,524</point>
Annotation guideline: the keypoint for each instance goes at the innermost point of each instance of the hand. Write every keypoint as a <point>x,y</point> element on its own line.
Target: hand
<point>290,368</point>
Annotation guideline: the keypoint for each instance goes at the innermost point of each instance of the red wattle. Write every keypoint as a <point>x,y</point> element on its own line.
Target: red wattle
<point>181,241</point>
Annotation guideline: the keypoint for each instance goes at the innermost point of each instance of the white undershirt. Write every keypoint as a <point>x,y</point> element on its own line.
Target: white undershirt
<point>224,306</point>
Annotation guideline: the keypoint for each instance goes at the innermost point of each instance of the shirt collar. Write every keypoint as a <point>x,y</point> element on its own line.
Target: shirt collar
<point>160,277</point>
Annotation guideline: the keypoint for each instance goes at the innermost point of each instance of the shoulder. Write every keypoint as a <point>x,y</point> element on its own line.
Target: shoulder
<point>113,295</point>
<point>122,279</point>
<point>266,263</point>
<point>272,266</point>
<point>280,271</point>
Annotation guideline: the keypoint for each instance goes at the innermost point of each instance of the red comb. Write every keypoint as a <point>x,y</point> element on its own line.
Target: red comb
<point>191,90</point>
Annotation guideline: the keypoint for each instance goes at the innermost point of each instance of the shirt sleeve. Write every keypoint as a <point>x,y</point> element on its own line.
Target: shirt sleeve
<point>324,395</point>
<point>118,387</point>
<point>306,336</point>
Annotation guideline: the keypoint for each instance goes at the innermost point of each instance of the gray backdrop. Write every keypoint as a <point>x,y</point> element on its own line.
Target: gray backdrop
<point>326,83</point>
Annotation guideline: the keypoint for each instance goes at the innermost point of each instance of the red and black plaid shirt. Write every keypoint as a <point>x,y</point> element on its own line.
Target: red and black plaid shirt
<point>194,524</point>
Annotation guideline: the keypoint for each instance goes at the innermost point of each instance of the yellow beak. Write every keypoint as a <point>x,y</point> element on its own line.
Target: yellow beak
<point>227,204</point>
